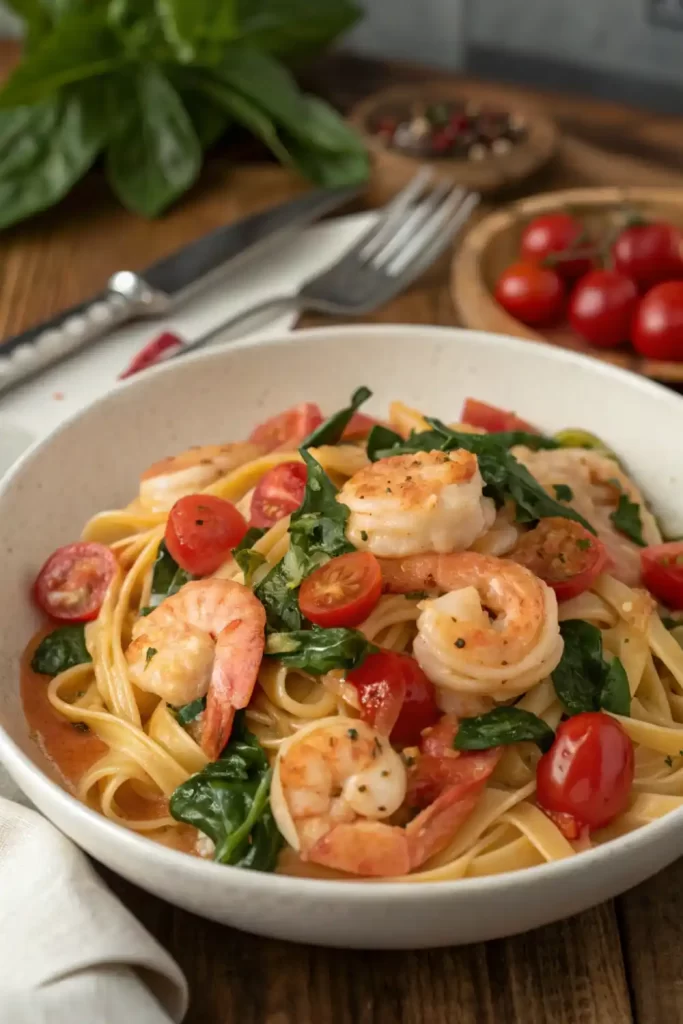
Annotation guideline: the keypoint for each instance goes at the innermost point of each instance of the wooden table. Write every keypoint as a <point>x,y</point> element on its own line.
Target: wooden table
<point>618,963</point>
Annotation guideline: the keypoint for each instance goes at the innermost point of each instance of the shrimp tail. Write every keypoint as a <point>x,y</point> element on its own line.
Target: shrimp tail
<point>367,848</point>
<point>239,650</point>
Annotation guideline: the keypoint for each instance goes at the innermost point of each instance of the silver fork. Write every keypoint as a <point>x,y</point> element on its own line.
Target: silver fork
<point>410,234</point>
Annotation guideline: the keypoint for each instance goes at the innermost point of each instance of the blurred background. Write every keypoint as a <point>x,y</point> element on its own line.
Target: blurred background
<point>627,50</point>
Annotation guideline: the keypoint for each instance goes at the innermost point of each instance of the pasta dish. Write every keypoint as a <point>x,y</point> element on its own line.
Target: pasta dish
<point>352,648</point>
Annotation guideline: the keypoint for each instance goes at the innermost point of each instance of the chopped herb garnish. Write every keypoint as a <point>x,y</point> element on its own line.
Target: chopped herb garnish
<point>362,789</point>
<point>669,761</point>
<point>189,712</point>
<point>583,544</point>
<point>352,734</point>
<point>151,651</point>
<point>199,522</point>
<point>363,535</point>
<point>563,492</point>
<point>416,595</point>
<point>626,519</point>
<point>80,726</point>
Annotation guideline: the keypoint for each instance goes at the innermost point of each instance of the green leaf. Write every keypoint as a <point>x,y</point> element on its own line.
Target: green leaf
<point>156,156</point>
<point>319,650</point>
<point>626,519</point>
<point>44,150</point>
<point>36,17</point>
<point>295,27</point>
<point>167,577</point>
<point>501,727</point>
<point>615,695</point>
<point>583,680</point>
<point>151,651</point>
<point>381,441</point>
<point>209,119</point>
<point>574,437</point>
<point>229,801</point>
<point>331,430</point>
<point>198,29</point>
<point>62,649</point>
<point>189,712</point>
<point>80,46</point>
<point>563,492</point>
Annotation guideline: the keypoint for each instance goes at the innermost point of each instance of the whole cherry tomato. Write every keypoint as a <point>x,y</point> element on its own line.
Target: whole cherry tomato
<point>201,532</point>
<point>658,323</point>
<point>532,293</point>
<point>650,253</point>
<point>555,237</point>
<point>588,771</point>
<point>602,306</point>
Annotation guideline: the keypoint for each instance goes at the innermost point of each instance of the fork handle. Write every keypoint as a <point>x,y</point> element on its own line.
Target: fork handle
<point>237,321</point>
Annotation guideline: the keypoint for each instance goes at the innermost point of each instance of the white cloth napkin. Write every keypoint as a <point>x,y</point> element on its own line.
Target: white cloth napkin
<point>70,953</point>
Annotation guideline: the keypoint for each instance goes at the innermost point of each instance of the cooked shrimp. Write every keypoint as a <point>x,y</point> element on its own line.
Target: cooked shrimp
<point>503,535</point>
<point>493,633</point>
<point>334,784</point>
<point>207,639</point>
<point>596,482</point>
<point>409,504</point>
<point>163,483</point>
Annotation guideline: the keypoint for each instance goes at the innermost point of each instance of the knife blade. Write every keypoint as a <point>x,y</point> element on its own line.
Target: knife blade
<point>162,286</point>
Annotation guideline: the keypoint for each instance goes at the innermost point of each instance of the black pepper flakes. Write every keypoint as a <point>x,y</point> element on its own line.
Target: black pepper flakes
<point>460,642</point>
<point>352,734</point>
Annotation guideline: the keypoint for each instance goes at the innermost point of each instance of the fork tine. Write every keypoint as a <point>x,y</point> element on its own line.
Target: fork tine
<point>411,224</point>
<point>457,206</point>
<point>393,214</point>
<point>437,242</point>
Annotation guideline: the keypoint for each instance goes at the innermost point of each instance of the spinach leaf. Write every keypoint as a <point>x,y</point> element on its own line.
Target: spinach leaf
<point>331,430</point>
<point>148,178</point>
<point>563,492</point>
<point>248,559</point>
<point>381,441</point>
<point>626,519</point>
<point>229,801</point>
<point>501,727</point>
<point>319,650</point>
<point>317,533</point>
<point>189,712</point>
<point>167,577</point>
<point>583,680</point>
<point>62,649</point>
<point>504,477</point>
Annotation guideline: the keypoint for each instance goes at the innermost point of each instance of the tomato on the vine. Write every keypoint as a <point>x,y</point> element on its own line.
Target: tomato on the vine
<point>658,323</point>
<point>532,293</point>
<point>602,306</point>
<point>588,771</point>
<point>557,239</point>
<point>649,253</point>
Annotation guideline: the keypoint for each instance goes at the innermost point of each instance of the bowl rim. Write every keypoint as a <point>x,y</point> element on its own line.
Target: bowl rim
<point>140,848</point>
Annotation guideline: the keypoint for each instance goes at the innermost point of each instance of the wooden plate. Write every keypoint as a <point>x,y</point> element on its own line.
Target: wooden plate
<point>494,243</point>
<point>392,169</point>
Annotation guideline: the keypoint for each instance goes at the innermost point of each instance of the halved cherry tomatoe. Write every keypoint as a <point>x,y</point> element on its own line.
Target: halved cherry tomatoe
<point>343,591</point>
<point>288,428</point>
<point>72,583</point>
<point>440,766</point>
<point>279,492</point>
<point>662,571</point>
<point>563,554</point>
<point>491,418</point>
<point>201,532</point>
<point>588,772</point>
<point>395,695</point>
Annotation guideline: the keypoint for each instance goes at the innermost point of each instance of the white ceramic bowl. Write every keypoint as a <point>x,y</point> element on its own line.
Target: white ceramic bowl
<point>92,462</point>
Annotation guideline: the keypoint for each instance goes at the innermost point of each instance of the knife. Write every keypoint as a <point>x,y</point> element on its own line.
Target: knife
<point>162,286</point>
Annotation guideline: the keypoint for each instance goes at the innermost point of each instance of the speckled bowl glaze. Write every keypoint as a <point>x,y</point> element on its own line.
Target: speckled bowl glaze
<point>92,462</point>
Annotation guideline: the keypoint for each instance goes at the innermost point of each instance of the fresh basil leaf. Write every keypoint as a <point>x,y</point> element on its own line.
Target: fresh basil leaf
<point>583,679</point>
<point>167,577</point>
<point>381,441</point>
<point>189,712</point>
<point>563,492</point>
<point>626,519</point>
<point>156,156</point>
<point>78,47</point>
<point>198,30</point>
<point>501,727</point>
<point>62,649</point>
<point>209,119</point>
<point>294,27</point>
<point>331,430</point>
<point>319,650</point>
<point>36,18</point>
<point>615,695</point>
<point>324,148</point>
<point>229,801</point>
<point>44,150</point>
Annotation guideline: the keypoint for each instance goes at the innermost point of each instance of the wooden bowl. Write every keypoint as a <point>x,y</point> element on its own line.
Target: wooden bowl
<point>393,169</point>
<point>493,244</point>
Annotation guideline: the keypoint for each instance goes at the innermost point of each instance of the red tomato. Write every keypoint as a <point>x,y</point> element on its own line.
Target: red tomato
<point>568,825</point>
<point>562,553</point>
<point>288,428</point>
<point>649,253</point>
<point>359,426</point>
<point>440,765</point>
<point>72,583</point>
<point>602,306</point>
<point>552,235</point>
<point>531,293</point>
<point>662,571</point>
<point>396,696</point>
<point>278,493</point>
<point>202,531</point>
<point>343,591</point>
<point>658,324</point>
<point>489,417</point>
<point>588,771</point>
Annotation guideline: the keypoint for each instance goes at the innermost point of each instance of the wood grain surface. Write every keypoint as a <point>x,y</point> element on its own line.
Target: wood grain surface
<point>618,963</point>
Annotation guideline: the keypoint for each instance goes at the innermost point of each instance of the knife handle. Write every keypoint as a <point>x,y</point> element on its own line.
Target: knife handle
<point>27,354</point>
